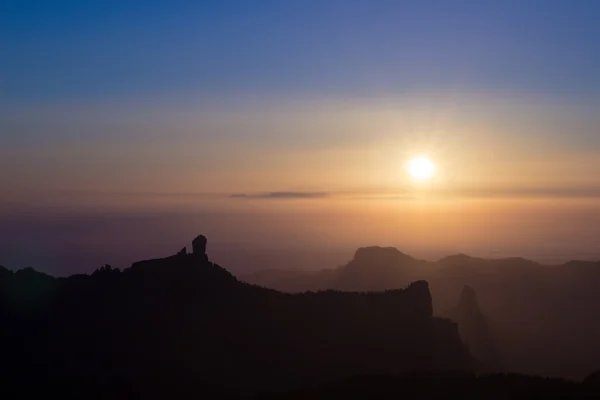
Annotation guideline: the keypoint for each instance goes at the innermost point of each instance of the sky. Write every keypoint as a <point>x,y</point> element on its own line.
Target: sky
<point>287,122</point>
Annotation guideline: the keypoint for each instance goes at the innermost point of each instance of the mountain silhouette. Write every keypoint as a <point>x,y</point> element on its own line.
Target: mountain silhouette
<point>474,330</point>
<point>183,325</point>
<point>523,301</point>
<point>372,268</point>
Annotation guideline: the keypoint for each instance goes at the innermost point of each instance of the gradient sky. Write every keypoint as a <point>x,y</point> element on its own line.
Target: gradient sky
<point>307,108</point>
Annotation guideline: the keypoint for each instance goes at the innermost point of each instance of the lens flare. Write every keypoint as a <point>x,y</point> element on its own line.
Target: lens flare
<point>421,168</point>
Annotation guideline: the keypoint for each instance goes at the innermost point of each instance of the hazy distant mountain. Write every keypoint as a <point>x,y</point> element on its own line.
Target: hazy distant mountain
<point>182,325</point>
<point>475,331</point>
<point>459,260</point>
<point>374,268</point>
<point>522,300</point>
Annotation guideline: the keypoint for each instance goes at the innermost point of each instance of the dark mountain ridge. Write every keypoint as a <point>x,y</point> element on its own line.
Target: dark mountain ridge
<point>183,324</point>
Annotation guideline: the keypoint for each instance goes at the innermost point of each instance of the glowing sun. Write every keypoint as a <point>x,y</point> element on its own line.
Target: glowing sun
<point>421,168</point>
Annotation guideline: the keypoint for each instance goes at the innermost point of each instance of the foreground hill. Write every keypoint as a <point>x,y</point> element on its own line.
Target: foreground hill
<point>182,325</point>
<point>539,315</point>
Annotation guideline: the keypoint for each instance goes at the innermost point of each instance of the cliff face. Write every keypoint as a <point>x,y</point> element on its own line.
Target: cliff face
<point>374,268</point>
<point>474,330</point>
<point>186,321</point>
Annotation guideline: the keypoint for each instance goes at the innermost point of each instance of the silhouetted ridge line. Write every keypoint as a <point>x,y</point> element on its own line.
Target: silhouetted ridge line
<point>379,256</point>
<point>460,259</point>
<point>184,322</point>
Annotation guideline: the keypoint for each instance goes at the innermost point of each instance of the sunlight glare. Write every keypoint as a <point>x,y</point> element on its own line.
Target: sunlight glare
<point>421,168</point>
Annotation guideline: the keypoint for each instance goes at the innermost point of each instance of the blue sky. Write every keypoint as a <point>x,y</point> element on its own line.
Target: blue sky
<point>271,94</point>
<point>89,50</point>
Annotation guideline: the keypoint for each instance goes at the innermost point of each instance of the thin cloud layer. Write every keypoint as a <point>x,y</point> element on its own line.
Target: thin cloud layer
<point>281,195</point>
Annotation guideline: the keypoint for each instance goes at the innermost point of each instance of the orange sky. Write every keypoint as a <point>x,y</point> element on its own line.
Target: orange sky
<point>508,176</point>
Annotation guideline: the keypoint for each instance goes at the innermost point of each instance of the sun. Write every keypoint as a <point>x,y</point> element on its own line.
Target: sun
<point>421,168</point>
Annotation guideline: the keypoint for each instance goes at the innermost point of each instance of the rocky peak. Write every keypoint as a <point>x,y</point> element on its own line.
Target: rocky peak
<point>199,245</point>
<point>380,255</point>
<point>421,296</point>
<point>474,330</point>
<point>199,249</point>
<point>468,299</point>
<point>421,286</point>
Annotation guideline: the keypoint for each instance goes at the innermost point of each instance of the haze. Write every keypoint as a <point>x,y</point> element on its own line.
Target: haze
<point>282,128</point>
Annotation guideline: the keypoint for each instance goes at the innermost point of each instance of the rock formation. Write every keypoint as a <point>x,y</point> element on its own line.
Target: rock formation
<point>474,329</point>
<point>380,256</point>
<point>199,248</point>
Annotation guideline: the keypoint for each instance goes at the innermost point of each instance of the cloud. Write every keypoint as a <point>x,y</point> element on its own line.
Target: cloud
<point>530,192</point>
<point>481,192</point>
<point>282,195</point>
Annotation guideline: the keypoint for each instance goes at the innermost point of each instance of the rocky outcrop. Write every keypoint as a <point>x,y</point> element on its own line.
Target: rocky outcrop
<point>199,248</point>
<point>419,298</point>
<point>468,302</point>
<point>199,245</point>
<point>474,329</point>
<point>380,256</point>
<point>375,268</point>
